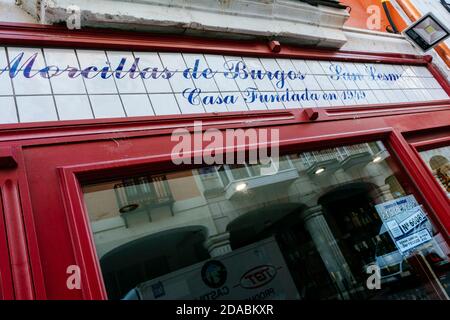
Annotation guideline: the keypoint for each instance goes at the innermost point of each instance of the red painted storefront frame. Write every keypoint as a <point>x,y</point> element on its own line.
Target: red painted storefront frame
<point>44,151</point>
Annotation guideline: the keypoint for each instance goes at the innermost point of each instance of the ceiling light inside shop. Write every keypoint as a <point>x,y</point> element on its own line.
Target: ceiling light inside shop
<point>241,186</point>
<point>319,171</point>
<point>377,159</point>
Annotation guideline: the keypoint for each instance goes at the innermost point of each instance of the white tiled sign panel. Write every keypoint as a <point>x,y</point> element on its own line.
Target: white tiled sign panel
<point>65,84</point>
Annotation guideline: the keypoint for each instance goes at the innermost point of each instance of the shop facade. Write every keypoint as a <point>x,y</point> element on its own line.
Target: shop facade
<point>90,189</point>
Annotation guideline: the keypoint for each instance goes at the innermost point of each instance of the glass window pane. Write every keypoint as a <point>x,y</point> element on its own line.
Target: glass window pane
<point>340,223</point>
<point>438,160</point>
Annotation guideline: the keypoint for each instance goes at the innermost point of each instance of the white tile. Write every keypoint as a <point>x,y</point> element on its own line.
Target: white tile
<point>164,104</point>
<point>90,58</point>
<point>271,64</point>
<point>8,112</point>
<point>350,68</point>
<point>216,62</point>
<point>323,102</point>
<point>373,84</point>
<point>285,64</point>
<point>291,104</point>
<point>36,108</point>
<point>206,85</point>
<point>39,62</point>
<point>5,85</point>
<point>334,98</point>
<point>371,97</point>
<point>401,96</point>
<point>393,95</point>
<point>421,71</point>
<point>299,84</point>
<point>179,83</point>
<point>398,68</point>
<point>364,84</point>
<point>256,105</point>
<point>137,105</point>
<point>252,99</point>
<point>3,59</point>
<point>261,79</point>
<point>408,71</point>
<point>62,58</point>
<point>98,85</point>
<point>188,108</point>
<point>130,85</point>
<point>312,84</point>
<point>173,61</point>
<point>408,82</point>
<point>381,96</point>
<point>417,83</point>
<point>63,84</point>
<point>246,83</point>
<point>190,61</point>
<point>402,83</point>
<point>362,68</point>
<point>315,67</point>
<point>226,84</point>
<point>307,102</point>
<point>27,86</point>
<point>301,66</point>
<point>341,84</point>
<point>426,94</point>
<point>148,60</point>
<point>107,106</point>
<point>329,67</point>
<point>207,107</point>
<point>115,58</point>
<point>272,102</point>
<point>438,94</point>
<point>279,73</point>
<point>412,95</point>
<point>324,82</point>
<point>73,107</point>
<point>431,83</point>
<point>237,103</point>
<point>158,85</point>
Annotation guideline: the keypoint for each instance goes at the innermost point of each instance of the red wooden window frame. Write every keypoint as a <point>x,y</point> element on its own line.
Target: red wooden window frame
<point>337,125</point>
<point>427,141</point>
<point>77,215</point>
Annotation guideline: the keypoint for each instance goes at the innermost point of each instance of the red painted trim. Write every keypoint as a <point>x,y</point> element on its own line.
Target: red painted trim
<point>7,157</point>
<point>92,286</point>
<point>18,250</point>
<point>6,284</point>
<point>439,77</point>
<point>133,126</point>
<point>431,144</point>
<point>425,183</point>
<point>58,36</point>
<point>30,230</point>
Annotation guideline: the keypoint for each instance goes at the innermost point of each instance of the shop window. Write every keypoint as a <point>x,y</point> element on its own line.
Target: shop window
<point>438,161</point>
<point>395,186</point>
<point>348,231</point>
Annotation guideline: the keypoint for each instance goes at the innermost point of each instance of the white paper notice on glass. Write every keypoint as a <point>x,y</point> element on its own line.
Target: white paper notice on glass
<point>406,222</point>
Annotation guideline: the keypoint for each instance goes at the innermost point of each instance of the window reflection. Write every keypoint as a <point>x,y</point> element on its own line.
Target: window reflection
<point>438,160</point>
<point>310,230</point>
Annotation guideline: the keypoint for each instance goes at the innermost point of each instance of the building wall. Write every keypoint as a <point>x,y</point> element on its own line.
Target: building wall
<point>10,12</point>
